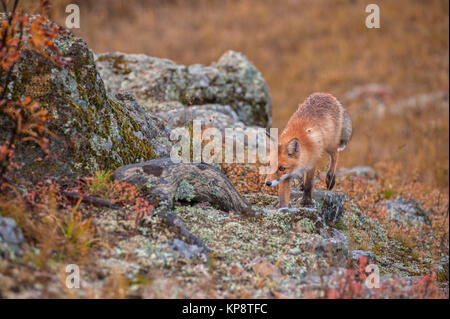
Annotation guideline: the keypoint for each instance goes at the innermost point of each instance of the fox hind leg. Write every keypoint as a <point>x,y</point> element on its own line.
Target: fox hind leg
<point>331,174</point>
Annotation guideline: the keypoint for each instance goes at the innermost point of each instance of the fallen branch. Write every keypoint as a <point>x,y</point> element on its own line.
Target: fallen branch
<point>96,201</point>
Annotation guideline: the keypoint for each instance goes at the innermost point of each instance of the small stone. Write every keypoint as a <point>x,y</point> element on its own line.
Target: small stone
<point>184,249</point>
<point>11,237</point>
<point>328,206</point>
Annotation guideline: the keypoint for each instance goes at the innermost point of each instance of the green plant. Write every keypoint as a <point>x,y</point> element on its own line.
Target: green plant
<point>388,193</point>
<point>100,183</point>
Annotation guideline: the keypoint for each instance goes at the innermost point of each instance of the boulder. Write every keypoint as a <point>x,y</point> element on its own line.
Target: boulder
<point>160,85</point>
<point>214,115</point>
<point>94,130</point>
<point>407,211</point>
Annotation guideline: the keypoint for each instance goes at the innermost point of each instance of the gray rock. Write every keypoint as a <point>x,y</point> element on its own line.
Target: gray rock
<point>331,205</point>
<point>165,182</point>
<point>357,171</point>
<point>95,130</point>
<point>407,211</point>
<point>184,249</point>
<point>333,247</point>
<point>161,85</point>
<point>216,115</point>
<point>328,205</point>
<point>421,101</point>
<point>369,90</point>
<point>11,237</point>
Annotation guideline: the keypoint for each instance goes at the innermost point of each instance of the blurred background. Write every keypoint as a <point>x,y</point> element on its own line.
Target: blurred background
<point>394,80</point>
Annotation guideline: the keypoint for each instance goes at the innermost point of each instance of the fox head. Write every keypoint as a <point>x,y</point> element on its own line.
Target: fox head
<point>287,163</point>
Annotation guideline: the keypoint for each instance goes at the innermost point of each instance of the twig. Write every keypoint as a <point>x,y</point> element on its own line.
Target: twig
<point>96,201</point>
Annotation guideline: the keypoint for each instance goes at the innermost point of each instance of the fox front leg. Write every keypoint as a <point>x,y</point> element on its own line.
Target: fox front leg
<point>284,193</point>
<point>301,180</point>
<point>307,193</point>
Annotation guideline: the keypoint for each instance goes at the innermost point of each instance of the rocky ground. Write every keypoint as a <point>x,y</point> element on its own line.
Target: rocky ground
<point>192,233</point>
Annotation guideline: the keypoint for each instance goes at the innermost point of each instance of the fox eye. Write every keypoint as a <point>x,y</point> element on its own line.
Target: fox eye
<point>281,168</point>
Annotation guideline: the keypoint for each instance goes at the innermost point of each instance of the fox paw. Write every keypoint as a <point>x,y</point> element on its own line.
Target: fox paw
<point>306,202</point>
<point>331,180</point>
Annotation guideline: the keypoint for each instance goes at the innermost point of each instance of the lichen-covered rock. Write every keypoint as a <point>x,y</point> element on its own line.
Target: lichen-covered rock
<point>214,115</point>
<point>161,85</point>
<point>94,130</point>
<point>11,237</point>
<point>331,205</point>
<point>407,211</point>
<point>165,182</point>
<point>184,249</point>
<point>328,206</point>
<point>333,246</point>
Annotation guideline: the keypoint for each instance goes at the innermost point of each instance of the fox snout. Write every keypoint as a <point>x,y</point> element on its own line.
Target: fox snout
<point>272,183</point>
<point>273,180</point>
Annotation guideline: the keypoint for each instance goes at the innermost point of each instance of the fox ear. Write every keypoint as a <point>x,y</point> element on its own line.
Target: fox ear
<point>293,147</point>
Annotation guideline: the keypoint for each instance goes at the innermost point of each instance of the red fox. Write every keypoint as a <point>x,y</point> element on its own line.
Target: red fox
<point>320,124</point>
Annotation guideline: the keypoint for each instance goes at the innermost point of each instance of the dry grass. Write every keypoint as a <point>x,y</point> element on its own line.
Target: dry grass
<point>57,229</point>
